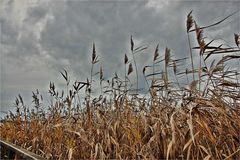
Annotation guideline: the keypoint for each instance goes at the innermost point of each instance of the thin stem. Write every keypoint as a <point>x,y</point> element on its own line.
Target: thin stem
<point>190,49</point>
<point>125,76</point>
<point>200,71</point>
<point>136,71</point>
<point>91,77</point>
<point>166,76</point>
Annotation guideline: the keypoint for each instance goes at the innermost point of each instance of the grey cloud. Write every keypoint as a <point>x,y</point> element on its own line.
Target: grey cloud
<point>8,32</point>
<point>36,13</point>
<point>108,24</point>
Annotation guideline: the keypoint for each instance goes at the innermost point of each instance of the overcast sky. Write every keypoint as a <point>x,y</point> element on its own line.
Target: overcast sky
<point>39,38</point>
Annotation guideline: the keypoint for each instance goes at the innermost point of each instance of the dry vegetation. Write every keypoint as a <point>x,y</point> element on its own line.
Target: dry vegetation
<point>201,121</point>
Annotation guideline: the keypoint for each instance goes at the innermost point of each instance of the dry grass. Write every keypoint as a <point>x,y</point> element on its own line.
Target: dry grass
<point>201,121</point>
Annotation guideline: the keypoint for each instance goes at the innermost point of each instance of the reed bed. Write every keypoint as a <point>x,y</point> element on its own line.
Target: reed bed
<point>172,121</point>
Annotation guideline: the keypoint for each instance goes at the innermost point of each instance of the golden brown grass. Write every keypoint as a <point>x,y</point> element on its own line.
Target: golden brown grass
<point>201,121</point>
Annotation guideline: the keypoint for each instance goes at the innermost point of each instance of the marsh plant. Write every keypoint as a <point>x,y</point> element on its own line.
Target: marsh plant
<point>172,121</point>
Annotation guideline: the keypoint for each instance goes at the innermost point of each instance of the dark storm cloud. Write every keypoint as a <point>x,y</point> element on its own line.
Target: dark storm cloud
<point>109,25</point>
<point>48,36</point>
<point>10,33</point>
<point>36,13</point>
